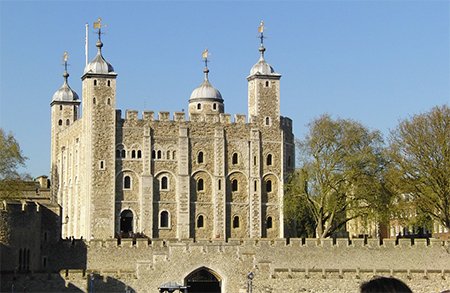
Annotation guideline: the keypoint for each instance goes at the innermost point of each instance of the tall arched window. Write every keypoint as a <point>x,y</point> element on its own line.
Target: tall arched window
<point>200,157</point>
<point>117,153</point>
<point>200,184</point>
<point>164,219</point>
<point>200,221</point>
<point>268,185</point>
<point>159,154</point>
<point>133,154</point>
<point>267,121</point>
<point>164,184</point>
<point>139,154</point>
<point>269,160</point>
<point>234,185</point>
<point>60,122</point>
<point>235,159</point>
<point>236,222</point>
<point>123,153</point>
<point>269,223</point>
<point>127,182</point>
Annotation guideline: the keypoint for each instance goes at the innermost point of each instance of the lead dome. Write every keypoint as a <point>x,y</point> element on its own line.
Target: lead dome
<point>99,64</point>
<point>65,93</point>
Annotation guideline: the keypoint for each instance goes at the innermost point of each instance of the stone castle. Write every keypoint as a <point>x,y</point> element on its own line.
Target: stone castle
<point>188,204</point>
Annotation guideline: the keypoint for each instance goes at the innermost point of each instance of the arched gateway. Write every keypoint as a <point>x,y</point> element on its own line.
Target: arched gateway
<point>203,280</point>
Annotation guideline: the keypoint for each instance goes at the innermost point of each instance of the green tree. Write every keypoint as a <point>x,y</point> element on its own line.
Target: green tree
<point>11,159</point>
<point>419,151</point>
<point>341,173</point>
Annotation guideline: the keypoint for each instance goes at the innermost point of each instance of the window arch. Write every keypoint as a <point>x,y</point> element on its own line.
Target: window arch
<point>269,222</point>
<point>95,82</point>
<point>235,159</point>
<point>268,185</point>
<point>139,154</point>
<point>133,154</point>
<point>255,185</point>
<point>164,219</point>
<point>159,154</point>
<point>236,222</point>
<point>200,221</point>
<point>164,183</point>
<point>234,185</point>
<point>199,106</point>
<point>269,160</point>
<point>60,122</point>
<point>200,185</point>
<point>200,158</point>
<point>127,182</point>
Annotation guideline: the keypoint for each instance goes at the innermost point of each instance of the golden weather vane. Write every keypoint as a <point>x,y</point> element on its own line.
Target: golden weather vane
<point>99,26</point>
<point>205,56</point>
<point>64,59</point>
<point>261,30</point>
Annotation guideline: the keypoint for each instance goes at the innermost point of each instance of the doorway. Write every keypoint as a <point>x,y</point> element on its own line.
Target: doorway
<point>203,280</point>
<point>126,221</point>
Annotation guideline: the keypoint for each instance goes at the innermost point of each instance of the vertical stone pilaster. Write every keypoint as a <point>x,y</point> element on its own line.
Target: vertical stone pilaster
<point>183,184</point>
<point>147,205</point>
<point>219,197</point>
<point>255,175</point>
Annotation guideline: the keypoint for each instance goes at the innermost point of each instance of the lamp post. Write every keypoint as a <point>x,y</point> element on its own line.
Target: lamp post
<point>91,275</point>
<point>249,283</point>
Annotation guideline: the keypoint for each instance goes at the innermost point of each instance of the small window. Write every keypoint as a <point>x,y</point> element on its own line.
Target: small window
<point>168,155</point>
<point>267,121</point>
<point>254,160</point>
<point>164,183</point>
<point>139,154</point>
<point>214,106</point>
<point>219,184</point>
<point>127,182</point>
<point>164,219</point>
<point>200,158</point>
<point>269,223</point>
<point>109,100</point>
<point>94,101</point>
<point>200,184</point>
<point>123,154</point>
<point>255,185</point>
<point>268,185</point>
<point>236,223</point>
<point>95,82</point>
<point>267,84</point>
<point>269,160</point>
<point>117,153</point>
<point>235,159</point>
<point>159,154</point>
<point>109,83</point>
<point>67,122</point>
<point>200,222</point>
<point>60,122</point>
<point>102,165</point>
<point>174,155</point>
<point>199,106</point>
<point>133,154</point>
<point>60,107</point>
<point>234,185</point>
<point>153,155</point>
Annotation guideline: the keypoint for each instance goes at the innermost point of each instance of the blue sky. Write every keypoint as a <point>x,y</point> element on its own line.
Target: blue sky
<point>372,61</point>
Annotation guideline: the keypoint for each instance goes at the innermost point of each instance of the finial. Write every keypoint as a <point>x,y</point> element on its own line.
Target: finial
<point>65,58</point>
<point>205,57</point>
<point>99,26</point>
<point>261,30</point>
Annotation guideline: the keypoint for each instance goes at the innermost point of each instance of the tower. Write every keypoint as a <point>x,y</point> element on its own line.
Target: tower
<point>263,90</point>
<point>99,127</point>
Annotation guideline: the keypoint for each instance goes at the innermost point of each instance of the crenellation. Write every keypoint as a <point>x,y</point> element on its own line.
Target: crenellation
<point>164,116</point>
<point>240,119</point>
<point>131,115</point>
<point>179,116</point>
<point>391,242</point>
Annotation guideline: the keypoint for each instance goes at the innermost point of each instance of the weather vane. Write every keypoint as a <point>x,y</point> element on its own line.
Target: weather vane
<point>205,57</point>
<point>261,30</point>
<point>99,26</point>
<point>65,58</point>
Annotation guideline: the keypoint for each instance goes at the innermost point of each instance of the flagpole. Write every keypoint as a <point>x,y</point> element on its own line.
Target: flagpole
<point>86,44</point>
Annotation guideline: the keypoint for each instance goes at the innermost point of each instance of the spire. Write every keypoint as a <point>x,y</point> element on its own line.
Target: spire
<point>205,59</point>
<point>262,67</point>
<point>65,93</point>
<point>99,64</point>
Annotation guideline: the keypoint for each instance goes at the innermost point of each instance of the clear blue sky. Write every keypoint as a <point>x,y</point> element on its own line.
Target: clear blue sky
<point>372,61</point>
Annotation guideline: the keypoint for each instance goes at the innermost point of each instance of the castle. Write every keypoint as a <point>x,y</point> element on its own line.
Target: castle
<point>204,194</point>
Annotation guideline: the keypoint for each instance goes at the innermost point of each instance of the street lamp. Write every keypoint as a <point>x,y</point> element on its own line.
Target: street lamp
<point>249,283</point>
<point>91,275</point>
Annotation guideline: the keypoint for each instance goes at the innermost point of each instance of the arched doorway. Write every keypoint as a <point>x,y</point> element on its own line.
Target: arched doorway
<point>126,221</point>
<point>203,280</point>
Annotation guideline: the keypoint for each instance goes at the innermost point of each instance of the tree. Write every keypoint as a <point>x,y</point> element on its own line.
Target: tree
<point>340,173</point>
<point>11,160</point>
<point>419,151</point>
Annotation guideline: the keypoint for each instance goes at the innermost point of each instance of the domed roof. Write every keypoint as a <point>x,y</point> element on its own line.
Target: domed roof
<point>65,93</point>
<point>206,91</point>
<point>99,64</point>
<point>262,67</point>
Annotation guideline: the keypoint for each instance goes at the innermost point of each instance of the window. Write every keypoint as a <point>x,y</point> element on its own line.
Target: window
<point>219,184</point>
<point>164,219</point>
<point>174,155</point>
<point>95,82</point>
<point>267,121</point>
<point>168,155</point>
<point>254,160</point>
<point>109,83</point>
<point>236,222</point>
<point>200,222</point>
<point>60,107</point>
<point>235,159</point>
<point>200,158</point>
<point>60,122</point>
<point>269,160</point>
<point>102,165</point>
<point>268,186</point>
<point>127,182</point>
<point>133,154</point>
<point>117,153</point>
<point>159,154</point>
<point>199,106</point>
<point>153,154</point>
<point>109,100</point>
<point>139,154</point>
<point>234,185</point>
<point>67,122</point>
<point>255,186</point>
<point>269,223</point>
<point>214,106</point>
<point>164,183</point>
<point>200,184</point>
<point>123,153</point>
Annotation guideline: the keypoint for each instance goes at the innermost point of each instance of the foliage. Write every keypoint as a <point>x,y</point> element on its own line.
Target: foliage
<point>340,174</point>
<point>419,150</point>
<point>11,184</point>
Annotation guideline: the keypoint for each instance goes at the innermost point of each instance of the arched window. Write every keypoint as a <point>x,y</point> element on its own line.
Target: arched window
<point>269,160</point>
<point>174,155</point>
<point>164,219</point>
<point>153,154</point>
<point>269,223</point>
<point>133,154</point>
<point>267,84</point>
<point>164,183</point>
<point>127,182</point>
<point>200,221</point>
<point>255,186</point>
<point>268,185</point>
<point>139,154</point>
<point>219,184</point>
<point>200,184</point>
<point>214,106</point>
<point>109,83</point>
<point>60,107</point>
<point>123,153</point>
<point>235,159</point>
<point>199,106</point>
<point>95,82</point>
<point>168,155</point>
<point>236,222</point>
<point>159,154</point>
<point>67,122</point>
<point>109,100</point>
<point>94,101</point>
<point>234,185</point>
<point>267,121</point>
<point>117,153</point>
<point>60,122</point>
<point>200,157</point>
